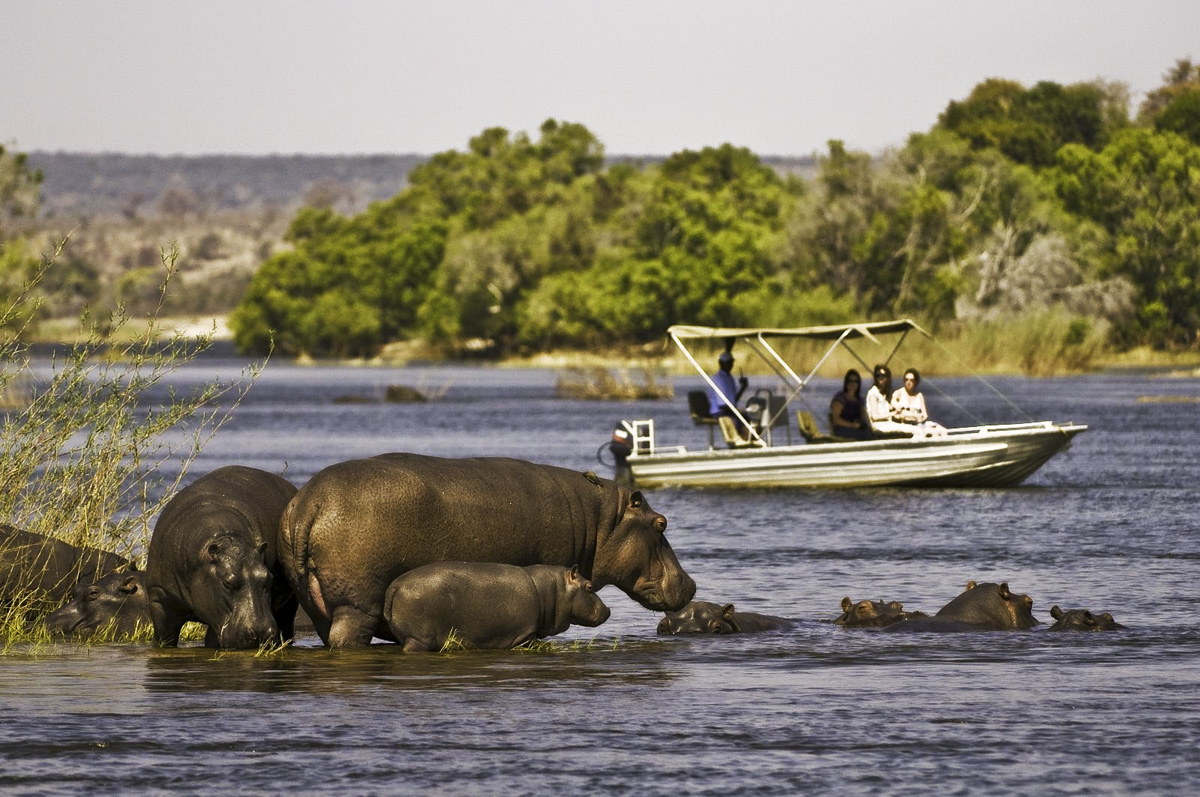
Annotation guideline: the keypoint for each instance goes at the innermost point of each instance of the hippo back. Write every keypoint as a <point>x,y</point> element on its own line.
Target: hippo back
<point>990,606</point>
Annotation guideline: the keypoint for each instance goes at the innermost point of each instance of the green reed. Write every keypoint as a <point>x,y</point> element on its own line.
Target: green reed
<point>102,440</point>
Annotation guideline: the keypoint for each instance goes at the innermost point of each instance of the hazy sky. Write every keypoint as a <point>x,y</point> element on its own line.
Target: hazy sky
<point>345,77</point>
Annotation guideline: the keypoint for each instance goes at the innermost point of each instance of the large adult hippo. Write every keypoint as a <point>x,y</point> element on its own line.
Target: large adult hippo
<point>488,606</point>
<point>116,603</point>
<point>213,559</point>
<point>39,572</point>
<point>706,617</point>
<point>357,525</point>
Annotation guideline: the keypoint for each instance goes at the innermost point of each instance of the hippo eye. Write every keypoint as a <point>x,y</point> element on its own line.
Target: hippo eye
<point>92,594</point>
<point>230,582</point>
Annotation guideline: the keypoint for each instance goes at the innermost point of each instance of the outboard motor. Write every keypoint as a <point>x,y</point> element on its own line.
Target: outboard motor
<point>621,446</point>
<point>622,442</point>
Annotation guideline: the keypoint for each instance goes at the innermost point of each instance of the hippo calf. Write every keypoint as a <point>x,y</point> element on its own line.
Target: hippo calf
<point>357,525</point>
<point>40,572</point>
<point>212,560</point>
<point>488,606</point>
<point>705,617</point>
<point>116,603</point>
<point>1082,620</point>
<point>873,614</point>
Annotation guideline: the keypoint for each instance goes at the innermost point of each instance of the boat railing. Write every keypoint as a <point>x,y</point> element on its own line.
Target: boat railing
<point>643,437</point>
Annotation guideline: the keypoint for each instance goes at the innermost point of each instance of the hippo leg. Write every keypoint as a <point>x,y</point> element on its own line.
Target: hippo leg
<point>168,618</point>
<point>350,627</point>
<point>285,618</point>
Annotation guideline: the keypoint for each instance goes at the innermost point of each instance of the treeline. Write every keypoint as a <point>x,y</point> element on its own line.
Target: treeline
<point>1017,200</point>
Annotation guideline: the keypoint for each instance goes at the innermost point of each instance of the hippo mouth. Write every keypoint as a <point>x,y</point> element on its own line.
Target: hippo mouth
<point>658,594</point>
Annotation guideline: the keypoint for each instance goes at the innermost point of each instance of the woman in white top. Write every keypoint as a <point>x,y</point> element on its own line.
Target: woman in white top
<point>879,411</point>
<point>908,406</point>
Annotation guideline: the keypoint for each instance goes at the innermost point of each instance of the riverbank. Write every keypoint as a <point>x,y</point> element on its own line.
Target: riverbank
<point>974,350</point>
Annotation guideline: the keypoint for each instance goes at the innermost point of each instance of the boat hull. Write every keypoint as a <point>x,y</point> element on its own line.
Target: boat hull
<point>1001,456</point>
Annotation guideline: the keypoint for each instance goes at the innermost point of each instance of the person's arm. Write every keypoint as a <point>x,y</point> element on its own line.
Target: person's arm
<point>835,411</point>
<point>919,410</point>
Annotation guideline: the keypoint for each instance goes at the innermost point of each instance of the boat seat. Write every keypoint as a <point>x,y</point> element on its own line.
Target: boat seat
<point>729,431</point>
<point>810,432</point>
<point>698,407</point>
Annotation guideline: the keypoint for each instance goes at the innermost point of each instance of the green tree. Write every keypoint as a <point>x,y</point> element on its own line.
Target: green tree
<point>694,243</point>
<point>1030,125</point>
<point>1143,190</point>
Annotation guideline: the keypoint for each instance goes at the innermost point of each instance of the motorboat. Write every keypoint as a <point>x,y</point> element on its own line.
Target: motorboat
<point>754,451</point>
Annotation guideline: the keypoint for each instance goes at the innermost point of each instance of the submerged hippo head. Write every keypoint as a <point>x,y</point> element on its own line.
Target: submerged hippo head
<point>990,606</point>
<point>636,557</point>
<point>115,603</point>
<point>1082,620</point>
<point>699,617</point>
<point>232,594</point>
<point>872,614</point>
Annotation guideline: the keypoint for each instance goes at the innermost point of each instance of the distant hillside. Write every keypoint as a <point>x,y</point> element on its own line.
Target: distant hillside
<point>145,186</point>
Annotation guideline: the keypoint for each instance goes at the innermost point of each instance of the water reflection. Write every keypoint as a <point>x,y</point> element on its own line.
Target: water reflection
<point>319,670</point>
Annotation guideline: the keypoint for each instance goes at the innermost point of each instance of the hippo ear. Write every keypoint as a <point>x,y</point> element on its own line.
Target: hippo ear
<point>847,603</point>
<point>129,585</point>
<point>971,585</point>
<point>573,576</point>
<point>1004,592</point>
<point>214,552</point>
<point>897,605</point>
<point>262,550</point>
<point>727,611</point>
<point>636,499</point>
<point>1056,612</point>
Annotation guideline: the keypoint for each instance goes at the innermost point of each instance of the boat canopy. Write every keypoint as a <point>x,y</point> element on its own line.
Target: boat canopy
<point>829,332</point>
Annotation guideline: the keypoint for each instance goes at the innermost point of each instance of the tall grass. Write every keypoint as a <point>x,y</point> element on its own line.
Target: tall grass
<point>103,440</point>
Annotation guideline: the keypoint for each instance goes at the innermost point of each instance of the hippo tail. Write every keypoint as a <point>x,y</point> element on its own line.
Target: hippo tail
<point>295,536</point>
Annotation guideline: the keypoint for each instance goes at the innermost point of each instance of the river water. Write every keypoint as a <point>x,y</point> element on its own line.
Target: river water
<point>1109,525</point>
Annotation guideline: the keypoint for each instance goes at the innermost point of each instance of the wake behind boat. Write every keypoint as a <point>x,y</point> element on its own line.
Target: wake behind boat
<point>992,455</point>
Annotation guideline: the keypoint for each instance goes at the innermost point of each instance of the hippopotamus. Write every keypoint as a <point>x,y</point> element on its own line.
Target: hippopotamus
<point>213,559</point>
<point>1082,620</point>
<point>39,572</point>
<point>705,617</point>
<point>981,607</point>
<point>873,614</point>
<point>357,525</point>
<point>115,603</point>
<point>486,605</point>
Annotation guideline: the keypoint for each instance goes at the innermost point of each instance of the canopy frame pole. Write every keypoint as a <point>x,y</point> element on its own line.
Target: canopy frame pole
<point>716,392</point>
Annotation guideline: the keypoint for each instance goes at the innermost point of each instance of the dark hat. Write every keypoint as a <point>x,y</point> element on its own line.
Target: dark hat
<point>882,370</point>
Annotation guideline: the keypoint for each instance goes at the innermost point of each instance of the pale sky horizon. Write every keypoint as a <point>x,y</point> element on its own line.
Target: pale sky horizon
<point>647,78</point>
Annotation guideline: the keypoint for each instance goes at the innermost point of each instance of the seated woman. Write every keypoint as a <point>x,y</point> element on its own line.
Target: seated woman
<point>908,404</point>
<point>880,414</point>
<point>846,410</point>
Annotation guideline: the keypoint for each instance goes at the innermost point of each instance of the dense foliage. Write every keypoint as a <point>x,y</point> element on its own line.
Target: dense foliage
<point>1017,201</point>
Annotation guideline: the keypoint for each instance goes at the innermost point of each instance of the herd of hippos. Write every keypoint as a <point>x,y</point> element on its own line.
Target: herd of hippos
<point>417,550</point>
